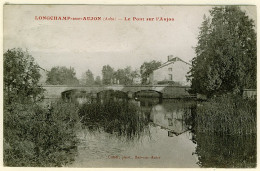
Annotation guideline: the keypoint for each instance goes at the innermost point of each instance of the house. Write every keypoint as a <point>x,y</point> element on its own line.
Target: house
<point>173,71</point>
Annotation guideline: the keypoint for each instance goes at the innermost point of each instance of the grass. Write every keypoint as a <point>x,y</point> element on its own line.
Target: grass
<point>117,117</point>
<point>225,132</point>
<point>226,151</point>
<point>229,115</point>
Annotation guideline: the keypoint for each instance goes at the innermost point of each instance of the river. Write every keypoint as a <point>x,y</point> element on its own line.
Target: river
<point>168,141</point>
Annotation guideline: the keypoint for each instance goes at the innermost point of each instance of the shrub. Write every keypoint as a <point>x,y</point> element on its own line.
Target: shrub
<point>39,136</point>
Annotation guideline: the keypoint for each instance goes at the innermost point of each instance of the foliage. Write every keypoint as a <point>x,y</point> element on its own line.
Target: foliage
<point>62,76</point>
<point>147,68</point>
<point>40,136</point>
<point>125,76</point>
<point>117,117</point>
<point>227,115</point>
<point>33,135</point>
<point>88,78</point>
<point>225,54</point>
<point>21,76</point>
<point>225,132</point>
<point>107,73</point>
<point>98,80</point>
<point>226,151</point>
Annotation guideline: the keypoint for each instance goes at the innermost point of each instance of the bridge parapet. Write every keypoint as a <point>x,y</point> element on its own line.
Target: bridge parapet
<point>167,91</point>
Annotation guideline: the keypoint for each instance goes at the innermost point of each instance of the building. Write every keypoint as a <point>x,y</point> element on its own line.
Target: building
<point>173,71</point>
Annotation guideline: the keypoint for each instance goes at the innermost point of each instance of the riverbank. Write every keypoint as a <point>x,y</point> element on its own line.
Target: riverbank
<point>225,132</point>
<point>40,136</point>
<point>228,114</point>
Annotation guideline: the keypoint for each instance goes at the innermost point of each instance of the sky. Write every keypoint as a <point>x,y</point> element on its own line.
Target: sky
<point>89,44</point>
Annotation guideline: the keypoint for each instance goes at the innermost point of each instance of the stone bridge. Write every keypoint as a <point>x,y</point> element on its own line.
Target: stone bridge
<point>165,91</point>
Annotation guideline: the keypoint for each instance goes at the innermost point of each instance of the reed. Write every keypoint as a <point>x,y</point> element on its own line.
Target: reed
<point>226,151</point>
<point>228,114</point>
<point>121,118</point>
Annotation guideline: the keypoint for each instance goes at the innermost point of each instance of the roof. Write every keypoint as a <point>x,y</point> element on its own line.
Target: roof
<point>172,61</point>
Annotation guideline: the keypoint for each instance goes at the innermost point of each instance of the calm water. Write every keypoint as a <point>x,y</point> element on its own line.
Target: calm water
<point>168,141</point>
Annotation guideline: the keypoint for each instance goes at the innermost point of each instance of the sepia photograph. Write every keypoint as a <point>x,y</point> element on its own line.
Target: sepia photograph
<point>129,86</point>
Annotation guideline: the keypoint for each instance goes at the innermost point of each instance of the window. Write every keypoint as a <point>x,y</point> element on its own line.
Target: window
<point>170,77</point>
<point>169,69</point>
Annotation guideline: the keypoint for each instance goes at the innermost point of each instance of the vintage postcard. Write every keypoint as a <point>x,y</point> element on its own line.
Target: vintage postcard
<point>129,86</point>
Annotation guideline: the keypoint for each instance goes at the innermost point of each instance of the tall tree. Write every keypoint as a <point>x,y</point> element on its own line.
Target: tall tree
<point>88,78</point>
<point>21,76</point>
<point>98,80</point>
<point>62,76</point>
<point>120,76</point>
<point>147,68</point>
<point>225,54</point>
<point>107,73</point>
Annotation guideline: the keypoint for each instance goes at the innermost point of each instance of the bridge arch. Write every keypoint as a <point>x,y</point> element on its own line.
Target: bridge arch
<point>160,94</point>
<point>149,91</point>
<point>80,95</point>
<point>111,94</point>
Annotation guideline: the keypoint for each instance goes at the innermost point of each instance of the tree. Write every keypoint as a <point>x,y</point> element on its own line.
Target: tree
<point>88,78</point>
<point>62,76</point>
<point>125,76</point>
<point>225,54</point>
<point>98,81</point>
<point>107,73</point>
<point>21,76</point>
<point>147,68</point>
<point>120,76</point>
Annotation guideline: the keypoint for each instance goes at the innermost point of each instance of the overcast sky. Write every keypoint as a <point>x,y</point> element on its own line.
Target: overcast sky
<point>91,44</point>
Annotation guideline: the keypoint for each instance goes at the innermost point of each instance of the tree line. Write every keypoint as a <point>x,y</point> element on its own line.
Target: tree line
<point>61,75</point>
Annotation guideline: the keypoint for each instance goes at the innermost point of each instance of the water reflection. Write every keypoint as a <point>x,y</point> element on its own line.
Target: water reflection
<point>130,132</point>
<point>141,131</point>
<point>226,151</point>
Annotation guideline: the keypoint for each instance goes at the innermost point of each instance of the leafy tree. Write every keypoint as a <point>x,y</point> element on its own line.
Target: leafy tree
<point>125,76</point>
<point>98,81</point>
<point>21,76</point>
<point>62,76</point>
<point>120,76</point>
<point>88,78</point>
<point>225,54</point>
<point>107,73</point>
<point>147,68</point>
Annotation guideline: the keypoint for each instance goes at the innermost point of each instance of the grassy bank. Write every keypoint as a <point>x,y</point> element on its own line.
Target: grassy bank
<point>230,115</point>
<point>40,136</point>
<point>226,151</point>
<point>225,132</point>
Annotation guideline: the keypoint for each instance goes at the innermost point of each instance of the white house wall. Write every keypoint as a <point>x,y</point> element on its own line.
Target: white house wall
<point>179,72</point>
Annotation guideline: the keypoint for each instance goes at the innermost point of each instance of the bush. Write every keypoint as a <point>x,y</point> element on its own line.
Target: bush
<point>39,136</point>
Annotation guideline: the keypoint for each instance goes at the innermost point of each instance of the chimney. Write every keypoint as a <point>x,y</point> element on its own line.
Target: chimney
<point>170,57</point>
